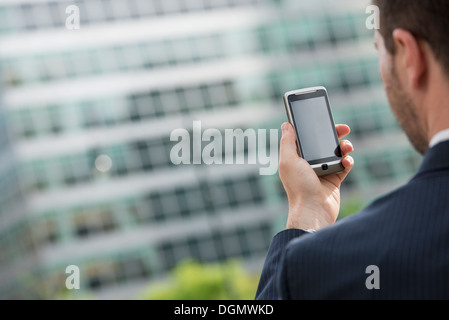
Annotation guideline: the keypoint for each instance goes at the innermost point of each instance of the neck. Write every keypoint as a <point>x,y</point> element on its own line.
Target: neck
<point>436,126</point>
<point>436,111</point>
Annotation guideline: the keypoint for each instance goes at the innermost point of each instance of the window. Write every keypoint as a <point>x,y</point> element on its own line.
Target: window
<point>82,63</point>
<point>194,247</point>
<point>208,248</point>
<point>167,254</point>
<point>132,56</point>
<point>194,98</point>
<point>57,12</point>
<point>133,161</point>
<point>45,231</point>
<point>170,102</point>
<point>181,199</point>
<point>194,200</point>
<point>209,47</point>
<point>181,97</point>
<point>231,193</point>
<point>219,195</point>
<point>242,191</point>
<point>28,16</point>
<point>92,221</point>
<point>157,103</point>
<point>170,205</point>
<point>257,239</point>
<point>231,244</point>
<point>218,91</point>
<point>144,7</point>
<point>140,210</point>
<point>156,206</point>
<point>55,120</point>
<point>99,274</point>
<point>179,50</point>
<point>206,97</point>
<point>94,10</point>
<point>221,244</point>
<point>181,251</point>
<point>193,5</point>
<point>159,153</point>
<point>81,226</point>
<point>133,268</point>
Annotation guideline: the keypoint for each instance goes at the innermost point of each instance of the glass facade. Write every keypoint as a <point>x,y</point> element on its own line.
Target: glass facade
<point>118,86</point>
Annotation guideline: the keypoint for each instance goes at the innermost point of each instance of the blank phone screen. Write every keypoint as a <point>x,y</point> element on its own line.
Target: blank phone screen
<point>314,128</point>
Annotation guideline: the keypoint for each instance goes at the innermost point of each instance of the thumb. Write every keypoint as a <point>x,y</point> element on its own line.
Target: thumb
<point>288,149</point>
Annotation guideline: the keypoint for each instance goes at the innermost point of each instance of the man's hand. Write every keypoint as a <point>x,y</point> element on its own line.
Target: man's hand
<point>314,202</point>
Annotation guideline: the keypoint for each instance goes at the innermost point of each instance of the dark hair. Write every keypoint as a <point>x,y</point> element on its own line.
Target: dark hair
<point>425,19</point>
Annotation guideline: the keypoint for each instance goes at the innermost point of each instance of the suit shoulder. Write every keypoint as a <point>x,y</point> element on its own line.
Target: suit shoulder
<point>331,264</point>
<point>358,228</point>
<point>396,230</point>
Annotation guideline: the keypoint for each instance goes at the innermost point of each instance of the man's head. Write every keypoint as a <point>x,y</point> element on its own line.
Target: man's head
<point>414,64</point>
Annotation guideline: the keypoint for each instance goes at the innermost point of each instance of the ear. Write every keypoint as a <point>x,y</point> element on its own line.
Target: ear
<point>411,56</point>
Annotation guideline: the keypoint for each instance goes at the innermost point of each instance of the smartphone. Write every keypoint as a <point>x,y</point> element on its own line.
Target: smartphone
<point>310,114</point>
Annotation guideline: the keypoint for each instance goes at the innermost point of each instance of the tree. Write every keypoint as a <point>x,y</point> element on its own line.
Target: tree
<point>191,280</point>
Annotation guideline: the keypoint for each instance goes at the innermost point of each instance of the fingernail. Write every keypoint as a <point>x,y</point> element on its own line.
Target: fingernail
<point>284,128</point>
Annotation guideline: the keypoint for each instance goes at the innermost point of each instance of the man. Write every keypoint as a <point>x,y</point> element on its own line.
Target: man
<point>398,247</point>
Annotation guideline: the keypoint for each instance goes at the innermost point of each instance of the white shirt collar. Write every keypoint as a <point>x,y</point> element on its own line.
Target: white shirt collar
<point>439,137</point>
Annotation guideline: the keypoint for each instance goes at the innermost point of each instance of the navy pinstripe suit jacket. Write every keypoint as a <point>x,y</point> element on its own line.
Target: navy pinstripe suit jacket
<point>405,234</point>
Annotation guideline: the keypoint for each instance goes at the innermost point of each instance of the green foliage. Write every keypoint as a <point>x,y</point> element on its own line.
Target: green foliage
<point>350,206</point>
<point>191,280</point>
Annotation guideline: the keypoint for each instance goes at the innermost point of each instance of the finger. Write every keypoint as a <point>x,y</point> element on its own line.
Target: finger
<point>288,150</point>
<point>346,147</point>
<point>348,163</point>
<point>342,130</point>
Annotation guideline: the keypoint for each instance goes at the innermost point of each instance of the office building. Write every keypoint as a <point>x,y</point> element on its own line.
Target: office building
<point>85,174</point>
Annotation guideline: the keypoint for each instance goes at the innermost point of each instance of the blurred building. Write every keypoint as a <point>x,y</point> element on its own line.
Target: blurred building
<point>86,116</point>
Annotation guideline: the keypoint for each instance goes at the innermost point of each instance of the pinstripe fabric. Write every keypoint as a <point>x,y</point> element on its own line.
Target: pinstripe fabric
<point>405,234</point>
